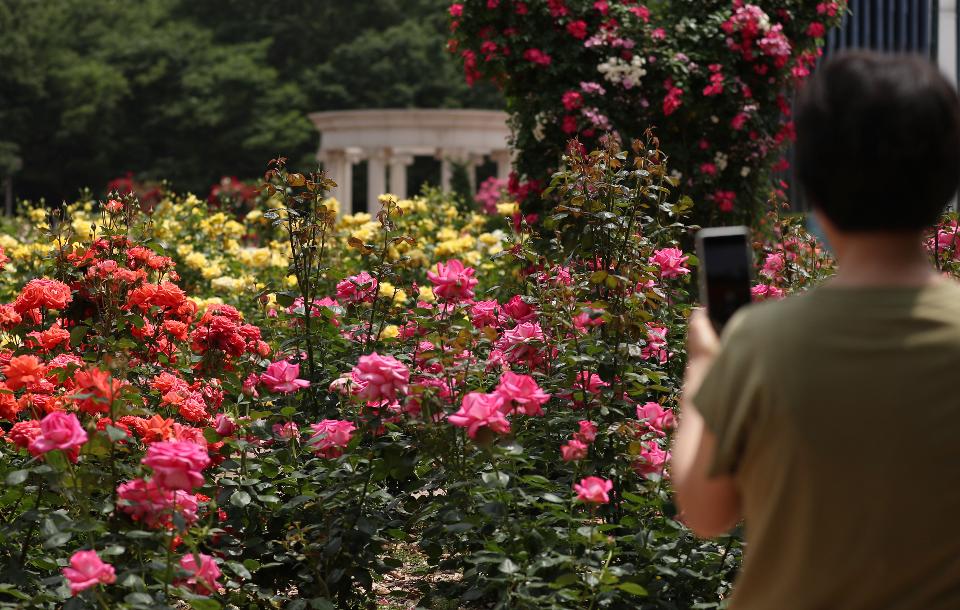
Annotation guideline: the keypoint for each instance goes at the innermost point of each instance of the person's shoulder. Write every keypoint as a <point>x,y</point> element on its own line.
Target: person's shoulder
<point>766,318</point>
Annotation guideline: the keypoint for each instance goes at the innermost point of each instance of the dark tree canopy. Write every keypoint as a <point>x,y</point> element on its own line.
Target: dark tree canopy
<point>191,91</point>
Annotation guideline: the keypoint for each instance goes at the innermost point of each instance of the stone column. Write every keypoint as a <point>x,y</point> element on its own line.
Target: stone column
<point>336,167</point>
<point>398,174</point>
<point>448,157</point>
<point>502,159</point>
<point>376,179</point>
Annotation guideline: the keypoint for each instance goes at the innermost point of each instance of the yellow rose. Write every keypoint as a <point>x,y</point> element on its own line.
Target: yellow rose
<point>426,294</point>
<point>292,281</point>
<point>390,332</point>
<point>507,209</point>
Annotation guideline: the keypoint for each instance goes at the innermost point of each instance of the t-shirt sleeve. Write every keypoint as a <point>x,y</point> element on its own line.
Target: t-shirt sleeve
<point>729,396</point>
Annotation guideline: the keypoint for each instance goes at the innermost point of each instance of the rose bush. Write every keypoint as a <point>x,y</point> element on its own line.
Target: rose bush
<point>715,78</point>
<point>455,402</point>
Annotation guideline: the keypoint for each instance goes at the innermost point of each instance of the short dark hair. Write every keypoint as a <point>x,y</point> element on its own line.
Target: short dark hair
<point>878,141</point>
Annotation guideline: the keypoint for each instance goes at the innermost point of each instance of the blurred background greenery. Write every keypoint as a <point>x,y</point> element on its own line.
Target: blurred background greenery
<point>190,91</point>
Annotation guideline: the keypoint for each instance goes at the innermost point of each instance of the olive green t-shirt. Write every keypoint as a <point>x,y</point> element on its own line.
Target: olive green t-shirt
<point>838,414</point>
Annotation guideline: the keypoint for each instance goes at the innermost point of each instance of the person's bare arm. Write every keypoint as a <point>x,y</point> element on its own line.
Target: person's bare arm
<point>710,506</point>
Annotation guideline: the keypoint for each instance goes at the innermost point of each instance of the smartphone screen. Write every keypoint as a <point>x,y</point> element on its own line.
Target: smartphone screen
<point>725,271</point>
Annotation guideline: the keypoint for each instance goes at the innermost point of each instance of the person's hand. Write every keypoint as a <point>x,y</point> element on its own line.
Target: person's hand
<point>702,339</point>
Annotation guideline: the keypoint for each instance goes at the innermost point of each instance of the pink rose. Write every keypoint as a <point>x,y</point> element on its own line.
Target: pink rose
<point>518,310</point>
<point>573,451</point>
<point>652,459</point>
<point>177,464</point>
<point>88,570</point>
<point>773,265</point>
<point>537,56</point>
<point>589,382</point>
<point>484,313</point>
<point>380,377</point>
<point>224,424</point>
<point>203,578</point>
<point>281,377</point>
<point>58,430</point>
<point>587,433</point>
<point>671,261</point>
<point>331,437</point>
<point>593,490</point>
<point>762,292</point>
<point>287,430</point>
<point>656,416</point>
<point>521,342</point>
<point>250,384</point>
<point>656,346</point>
<point>145,501</point>
<point>481,411</point>
<point>523,392</point>
<point>360,288</point>
<point>453,281</point>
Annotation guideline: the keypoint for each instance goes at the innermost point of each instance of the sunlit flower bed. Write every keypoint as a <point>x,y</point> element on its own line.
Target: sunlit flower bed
<point>281,408</point>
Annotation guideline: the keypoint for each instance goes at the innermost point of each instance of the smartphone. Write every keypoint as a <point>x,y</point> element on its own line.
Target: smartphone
<point>726,265</point>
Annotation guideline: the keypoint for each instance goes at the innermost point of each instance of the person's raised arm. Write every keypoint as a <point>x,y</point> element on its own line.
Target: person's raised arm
<point>710,506</point>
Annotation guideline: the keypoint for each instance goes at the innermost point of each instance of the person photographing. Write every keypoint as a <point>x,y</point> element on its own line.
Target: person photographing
<point>829,422</point>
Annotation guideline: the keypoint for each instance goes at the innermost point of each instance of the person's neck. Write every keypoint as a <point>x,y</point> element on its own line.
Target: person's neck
<point>883,259</point>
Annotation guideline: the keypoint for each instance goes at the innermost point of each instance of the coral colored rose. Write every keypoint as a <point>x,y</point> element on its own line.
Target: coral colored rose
<point>88,570</point>
<point>281,377</point>
<point>58,430</point>
<point>573,451</point>
<point>23,433</point>
<point>94,390</point>
<point>478,411</point>
<point>330,437</point>
<point>652,459</point>
<point>43,292</point>
<point>177,464</point>
<point>593,490</point>
<point>523,392</point>
<point>671,261</point>
<point>203,578</point>
<point>452,281</point>
<point>24,371</point>
<point>657,417</point>
<point>380,377</point>
<point>587,432</point>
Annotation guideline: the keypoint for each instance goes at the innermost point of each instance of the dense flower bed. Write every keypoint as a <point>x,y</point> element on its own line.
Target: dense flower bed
<point>427,386</point>
<point>715,77</point>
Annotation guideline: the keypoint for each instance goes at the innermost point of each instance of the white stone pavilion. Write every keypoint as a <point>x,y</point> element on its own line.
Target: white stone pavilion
<point>390,139</point>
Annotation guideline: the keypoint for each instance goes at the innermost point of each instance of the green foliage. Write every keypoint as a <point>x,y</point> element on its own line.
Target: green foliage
<point>192,91</point>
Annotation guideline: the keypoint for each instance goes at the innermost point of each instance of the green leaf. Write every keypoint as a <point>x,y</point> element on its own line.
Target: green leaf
<point>632,588</point>
<point>77,335</point>
<point>508,567</point>
<point>239,569</point>
<point>205,604</point>
<point>240,498</point>
<point>17,476</point>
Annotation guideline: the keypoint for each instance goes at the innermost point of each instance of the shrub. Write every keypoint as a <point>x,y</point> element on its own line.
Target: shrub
<point>714,77</point>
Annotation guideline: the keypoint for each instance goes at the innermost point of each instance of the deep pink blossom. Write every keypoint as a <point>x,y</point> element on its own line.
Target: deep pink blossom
<point>358,288</point>
<point>537,56</point>
<point>593,490</point>
<point>657,417</point>
<point>380,377</point>
<point>452,281</point>
<point>573,451</point>
<point>589,382</point>
<point>577,29</point>
<point>478,411</point>
<point>656,346</point>
<point>145,501</point>
<point>203,578</point>
<point>484,313</point>
<point>88,570</point>
<point>281,377</point>
<point>177,464</point>
<point>652,459</point>
<point>331,436</point>
<point>521,392</point>
<point>587,432</point>
<point>762,292</point>
<point>59,430</point>
<point>672,262</point>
